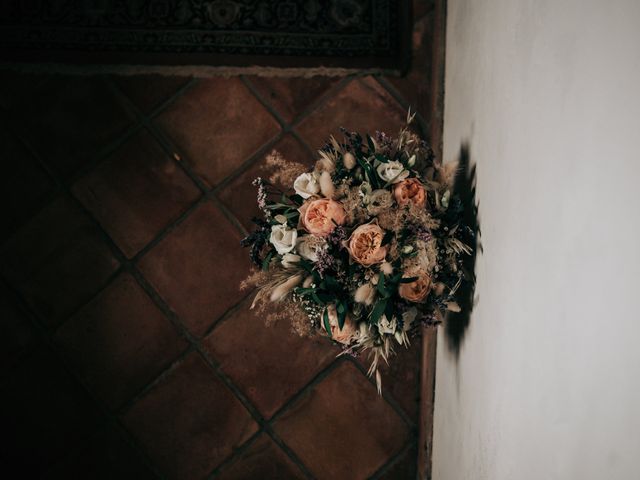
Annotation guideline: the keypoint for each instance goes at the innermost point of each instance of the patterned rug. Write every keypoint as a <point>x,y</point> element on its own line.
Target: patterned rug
<point>370,35</point>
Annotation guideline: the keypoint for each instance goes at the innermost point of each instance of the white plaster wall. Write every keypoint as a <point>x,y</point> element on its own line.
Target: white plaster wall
<point>547,385</point>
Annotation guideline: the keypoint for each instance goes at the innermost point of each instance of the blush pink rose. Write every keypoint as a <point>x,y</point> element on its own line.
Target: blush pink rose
<point>348,331</point>
<point>320,217</point>
<point>365,245</point>
<point>410,191</point>
<point>417,290</point>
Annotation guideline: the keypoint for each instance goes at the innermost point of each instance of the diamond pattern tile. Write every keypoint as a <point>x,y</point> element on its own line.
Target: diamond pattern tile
<point>15,86</point>
<point>45,414</point>
<point>48,261</point>
<point>266,375</point>
<point>291,97</point>
<point>115,348</point>
<point>363,105</point>
<point>136,193</point>
<point>239,195</point>
<point>24,185</point>
<point>16,331</point>
<point>190,422</point>
<point>401,378</point>
<point>415,86</point>
<point>218,124</point>
<point>68,120</point>
<point>319,431</point>
<point>198,268</point>
<point>404,467</point>
<point>119,342</point>
<point>148,92</point>
<point>106,456</point>
<point>263,460</point>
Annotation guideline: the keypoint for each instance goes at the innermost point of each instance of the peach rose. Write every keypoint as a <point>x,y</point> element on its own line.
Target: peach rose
<point>365,245</point>
<point>410,191</point>
<point>320,217</point>
<point>417,290</point>
<point>349,329</point>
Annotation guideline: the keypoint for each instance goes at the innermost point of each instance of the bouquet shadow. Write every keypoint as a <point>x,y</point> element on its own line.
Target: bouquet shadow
<point>457,323</point>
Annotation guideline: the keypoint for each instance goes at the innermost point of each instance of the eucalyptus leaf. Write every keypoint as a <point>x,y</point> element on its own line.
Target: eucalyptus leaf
<point>267,260</point>
<point>372,146</point>
<point>408,279</point>
<point>388,236</point>
<point>325,319</point>
<point>378,310</point>
<point>342,314</point>
<point>380,285</point>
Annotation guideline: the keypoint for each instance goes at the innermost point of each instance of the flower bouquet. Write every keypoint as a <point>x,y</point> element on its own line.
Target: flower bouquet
<point>365,248</point>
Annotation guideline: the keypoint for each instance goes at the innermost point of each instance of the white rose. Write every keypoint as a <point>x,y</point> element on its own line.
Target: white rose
<point>386,326</point>
<point>306,185</point>
<point>289,260</point>
<point>309,246</point>
<point>283,238</point>
<point>392,172</point>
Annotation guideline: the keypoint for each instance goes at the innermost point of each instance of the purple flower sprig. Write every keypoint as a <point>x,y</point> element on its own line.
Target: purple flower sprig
<point>338,236</point>
<point>262,192</point>
<point>420,232</point>
<point>325,262</point>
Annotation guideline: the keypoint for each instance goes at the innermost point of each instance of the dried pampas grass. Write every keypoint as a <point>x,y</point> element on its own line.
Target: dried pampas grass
<point>284,171</point>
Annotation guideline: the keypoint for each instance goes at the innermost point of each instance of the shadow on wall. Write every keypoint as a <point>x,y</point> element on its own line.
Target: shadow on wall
<point>457,323</point>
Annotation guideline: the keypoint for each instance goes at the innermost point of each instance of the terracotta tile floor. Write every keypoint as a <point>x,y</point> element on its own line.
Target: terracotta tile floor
<point>129,350</point>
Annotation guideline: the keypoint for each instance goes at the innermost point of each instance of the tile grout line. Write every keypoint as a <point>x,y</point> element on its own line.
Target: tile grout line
<point>142,391</point>
<point>103,153</point>
<point>174,153</point>
<point>390,400</point>
<point>267,105</point>
<point>316,380</point>
<point>127,265</point>
<point>386,396</point>
<point>228,461</point>
<point>164,104</point>
<point>394,460</point>
<point>106,415</point>
<point>196,345</point>
<point>399,98</point>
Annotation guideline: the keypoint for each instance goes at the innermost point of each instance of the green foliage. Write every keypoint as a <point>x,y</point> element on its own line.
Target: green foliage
<point>325,321</point>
